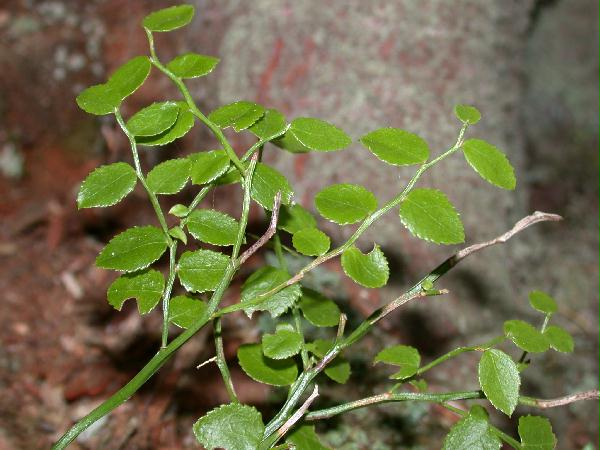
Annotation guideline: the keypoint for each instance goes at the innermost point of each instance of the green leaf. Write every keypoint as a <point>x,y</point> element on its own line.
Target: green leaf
<point>467,114</point>
<point>559,339</point>
<point>339,369</point>
<point>239,115</point>
<point>396,147</point>
<point>472,432</point>
<point>169,177</point>
<point>542,302</point>
<point>183,124</point>
<point>276,372</point>
<point>319,135</point>
<point>525,336</point>
<point>179,210</point>
<point>146,287</point>
<point>499,379</point>
<point>213,227</point>
<point>129,77</point>
<point>264,280</point>
<point>345,203</point>
<point>304,437</point>
<point>106,185</point>
<point>370,270</point>
<point>536,433</point>
<point>169,19</point>
<point>406,357</point>
<point>178,233</point>
<point>232,427</point>
<point>192,65</point>
<point>295,218</point>
<point>429,215</point>
<point>289,142</point>
<point>184,311</point>
<point>318,309</point>
<point>490,163</point>
<point>311,242</point>
<point>133,249</point>
<point>283,344</point>
<point>269,125</point>
<point>266,182</point>
<point>202,270</point>
<point>153,119</point>
<point>98,100</point>
<point>208,166</point>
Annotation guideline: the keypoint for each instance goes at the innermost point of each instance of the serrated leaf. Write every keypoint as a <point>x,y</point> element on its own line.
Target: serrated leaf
<point>525,336</point>
<point>467,114</point>
<point>271,124</point>
<point>396,147</point>
<point>239,115</point>
<point>192,65</point>
<point>266,182</point>
<point>559,339</point>
<point>295,218</point>
<point>339,369</point>
<point>304,437</point>
<point>472,432</point>
<point>127,79</point>
<point>183,124</point>
<point>542,302</point>
<point>98,100</point>
<point>311,242</point>
<point>345,203</point>
<point>264,280</point>
<point>406,357</point>
<point>290,143</point>
<point>319,135</point>
<point>232,427</point>
<point>106,185</point>
<point>201,270</point>
<point>134,249</point>
<point>369,270</point>
<point>536,433</point>
<point>318,309</point>
<point>169,177</point>
<point>146,287</point>
<point>153,119</point>
<point>179,210</point>
<point>178,233</point>
<point>213,227</point>
<point>429,215</point>
<point>208,166</point>
<point>490,163</point>
<point>282,344</point>
<point>184,311</point>
<point>276,372</point>
<point>169,19</point>
<point>499,379</point>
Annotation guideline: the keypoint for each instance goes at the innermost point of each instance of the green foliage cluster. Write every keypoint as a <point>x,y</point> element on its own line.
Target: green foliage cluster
<point>284,356</point>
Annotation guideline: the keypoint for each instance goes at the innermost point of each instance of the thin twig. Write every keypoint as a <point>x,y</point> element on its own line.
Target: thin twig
<point>560,401</point>
<point>222,362</point>
<point>268,234</point>
<point>208,361</point>
<point>298,414</point>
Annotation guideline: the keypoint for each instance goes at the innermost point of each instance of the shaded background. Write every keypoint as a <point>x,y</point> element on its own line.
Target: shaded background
<point>530,66</point>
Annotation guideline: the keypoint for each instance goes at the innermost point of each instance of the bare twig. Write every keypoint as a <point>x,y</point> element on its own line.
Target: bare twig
<point>208,361</point>
<point>560,401</point>
<point>268,234</point>
<point>298,414</point>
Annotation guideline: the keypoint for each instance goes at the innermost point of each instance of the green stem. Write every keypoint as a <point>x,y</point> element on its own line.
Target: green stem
<point>167,293</point>
<point>192,106</point>
<point>458,351</point>
<point>164,354</point>
<point>222,362</point>
<point>140,175</point>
